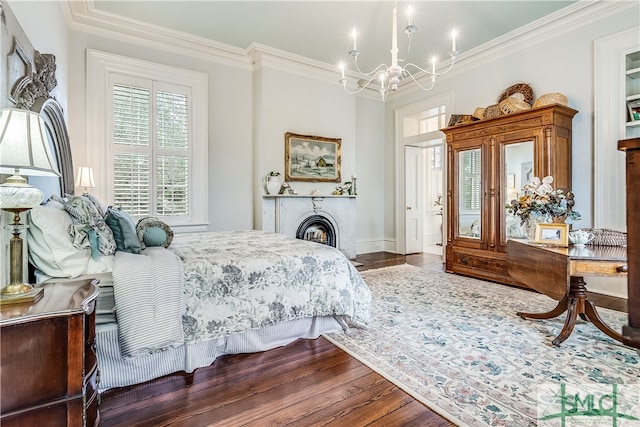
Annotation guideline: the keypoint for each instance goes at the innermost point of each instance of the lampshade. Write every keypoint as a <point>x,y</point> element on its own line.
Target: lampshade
<point>24,147</point>
<point>85,177</point>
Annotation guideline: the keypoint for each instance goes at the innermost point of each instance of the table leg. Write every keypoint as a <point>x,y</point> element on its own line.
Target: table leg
<point>575,304</point>
<point>557,311</point>
<point>569,322</point>
<point>591,312</point>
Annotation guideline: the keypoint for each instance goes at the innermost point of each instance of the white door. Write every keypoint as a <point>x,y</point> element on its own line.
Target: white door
<point>413,167</point>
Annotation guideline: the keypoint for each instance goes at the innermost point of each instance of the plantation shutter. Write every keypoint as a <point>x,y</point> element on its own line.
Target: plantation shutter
<point>172,163</point>
<point>151,156</point>
<point>472,180</point>
<point>131,170</point>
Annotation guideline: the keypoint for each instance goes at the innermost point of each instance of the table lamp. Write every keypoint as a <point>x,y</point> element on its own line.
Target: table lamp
<point>85,178</point>
<point>24,150</point>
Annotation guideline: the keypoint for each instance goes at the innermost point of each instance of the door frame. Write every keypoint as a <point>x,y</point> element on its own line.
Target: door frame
<point>445,99</point>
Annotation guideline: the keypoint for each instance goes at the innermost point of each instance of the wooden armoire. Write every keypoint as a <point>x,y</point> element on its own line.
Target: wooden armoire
<point>489,161</point>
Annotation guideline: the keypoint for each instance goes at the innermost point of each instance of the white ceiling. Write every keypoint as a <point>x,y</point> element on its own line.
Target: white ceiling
<point>320,30</point>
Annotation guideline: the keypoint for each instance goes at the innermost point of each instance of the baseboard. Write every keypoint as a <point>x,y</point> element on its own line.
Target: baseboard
<point>367,246</point>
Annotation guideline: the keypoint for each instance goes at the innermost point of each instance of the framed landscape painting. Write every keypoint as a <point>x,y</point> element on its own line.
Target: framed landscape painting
<point>312,158</point>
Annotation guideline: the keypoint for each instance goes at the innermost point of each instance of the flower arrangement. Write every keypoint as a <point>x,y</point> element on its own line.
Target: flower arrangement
<point>541,202</point>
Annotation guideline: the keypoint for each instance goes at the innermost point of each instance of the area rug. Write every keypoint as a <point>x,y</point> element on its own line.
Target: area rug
<point>457,345</point>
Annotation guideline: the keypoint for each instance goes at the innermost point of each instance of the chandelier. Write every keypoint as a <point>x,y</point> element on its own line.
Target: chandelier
<point>385,78</point>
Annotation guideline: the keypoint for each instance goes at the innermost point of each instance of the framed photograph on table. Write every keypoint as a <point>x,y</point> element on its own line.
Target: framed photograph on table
<point>312,158</point>
<point>556,234</point>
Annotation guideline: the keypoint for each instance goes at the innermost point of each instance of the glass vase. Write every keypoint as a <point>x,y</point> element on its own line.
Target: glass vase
<point>532,222</point>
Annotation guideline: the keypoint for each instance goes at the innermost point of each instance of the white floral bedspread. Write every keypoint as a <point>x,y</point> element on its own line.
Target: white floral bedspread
<point>241,280</point>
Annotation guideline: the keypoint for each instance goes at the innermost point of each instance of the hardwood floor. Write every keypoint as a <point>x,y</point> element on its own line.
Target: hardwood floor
<point>307,383</point>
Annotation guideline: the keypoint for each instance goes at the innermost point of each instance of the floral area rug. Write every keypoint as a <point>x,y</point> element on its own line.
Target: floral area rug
<point>457,345</point>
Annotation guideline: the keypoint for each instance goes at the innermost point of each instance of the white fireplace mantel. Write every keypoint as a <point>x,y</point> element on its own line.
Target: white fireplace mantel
<point>284,213</point>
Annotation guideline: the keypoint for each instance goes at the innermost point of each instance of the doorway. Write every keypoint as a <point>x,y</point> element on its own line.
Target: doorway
<point>424,197</point>
<point>421,170</point>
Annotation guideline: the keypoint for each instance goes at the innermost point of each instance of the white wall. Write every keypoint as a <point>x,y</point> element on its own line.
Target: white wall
<point>294,103</point>
<point>370,171</point>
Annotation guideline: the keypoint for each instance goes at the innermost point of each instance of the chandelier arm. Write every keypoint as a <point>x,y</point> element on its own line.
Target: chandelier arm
<point>363,87</point>
<point>405,69</point>
<point>432,77</point>
<point>411,64</point>
<point>370,73</point>
<point>406,54</point>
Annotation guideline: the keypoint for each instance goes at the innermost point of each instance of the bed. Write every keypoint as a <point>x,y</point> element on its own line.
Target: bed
<point>178,308</point>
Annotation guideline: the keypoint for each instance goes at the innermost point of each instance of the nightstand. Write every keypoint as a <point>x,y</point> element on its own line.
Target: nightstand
<point>49,368</point>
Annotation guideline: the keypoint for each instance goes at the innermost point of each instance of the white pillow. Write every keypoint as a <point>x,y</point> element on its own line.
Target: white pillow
<point>51,249</point>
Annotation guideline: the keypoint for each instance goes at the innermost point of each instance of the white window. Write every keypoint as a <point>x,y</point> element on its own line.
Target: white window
<point>151,120</point>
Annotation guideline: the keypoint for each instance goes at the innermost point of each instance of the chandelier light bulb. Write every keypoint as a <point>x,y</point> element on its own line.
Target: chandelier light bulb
<point>453,40</point>
<point>354,34</point>
<point>409,16</point>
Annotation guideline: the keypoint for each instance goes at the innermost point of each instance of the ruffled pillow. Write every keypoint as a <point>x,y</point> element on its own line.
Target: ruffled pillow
<point>153,232</point>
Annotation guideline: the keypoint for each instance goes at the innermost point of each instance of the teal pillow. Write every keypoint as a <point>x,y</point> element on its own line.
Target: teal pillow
<point>153,232</point>
<point>123,227</point>
<point>154,236</point>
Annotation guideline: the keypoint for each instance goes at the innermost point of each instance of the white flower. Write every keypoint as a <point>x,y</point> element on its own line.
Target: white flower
<point>547,180</point>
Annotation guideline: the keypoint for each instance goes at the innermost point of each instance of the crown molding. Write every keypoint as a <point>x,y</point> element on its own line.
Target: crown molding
<point>563,21</point>
<point>83,16</point>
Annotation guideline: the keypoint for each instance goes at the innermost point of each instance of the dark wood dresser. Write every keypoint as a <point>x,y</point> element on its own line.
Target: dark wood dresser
<point>49,368</point>
<point>631,331</point>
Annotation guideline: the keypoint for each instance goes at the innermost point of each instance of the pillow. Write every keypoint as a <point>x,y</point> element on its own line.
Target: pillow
<point>51,249</point>
<point>123,228</point>
<point>102,210</point>
<point>88,229</point>
<point>153,232</point>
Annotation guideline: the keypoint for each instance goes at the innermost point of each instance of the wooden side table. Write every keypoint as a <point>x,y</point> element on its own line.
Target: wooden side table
<point>48,364</point>
<point>559,274</point>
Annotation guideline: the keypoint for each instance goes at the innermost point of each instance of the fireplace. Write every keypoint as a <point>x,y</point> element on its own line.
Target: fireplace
<point>317,229</point>
<point>329,220</point>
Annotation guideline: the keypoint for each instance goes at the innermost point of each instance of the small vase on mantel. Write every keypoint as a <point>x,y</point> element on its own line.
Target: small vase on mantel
<point>272,184</point>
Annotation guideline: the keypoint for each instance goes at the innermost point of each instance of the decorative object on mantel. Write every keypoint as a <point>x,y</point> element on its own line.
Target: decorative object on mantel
<point>316,192</point>
<point>540,203</point>
<point>353,185</point>
<point>389,77</point>
<point>272,182</point>
<point>346,188</point>
<point>286,189</point>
